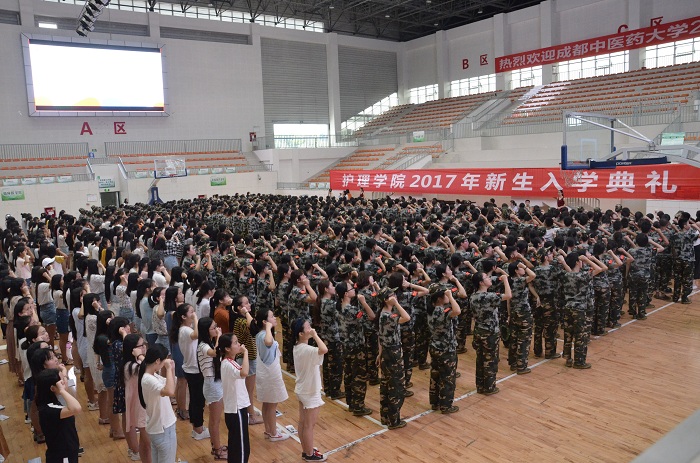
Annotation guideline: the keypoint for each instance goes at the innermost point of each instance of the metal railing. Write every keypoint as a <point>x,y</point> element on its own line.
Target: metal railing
<point>304,142</point>
<point>22,152</point>
<point>173,147</point>
<point>148,173</point>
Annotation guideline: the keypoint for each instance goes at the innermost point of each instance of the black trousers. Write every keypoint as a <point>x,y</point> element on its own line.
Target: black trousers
<point>238,438</point>
<point>195,384</point>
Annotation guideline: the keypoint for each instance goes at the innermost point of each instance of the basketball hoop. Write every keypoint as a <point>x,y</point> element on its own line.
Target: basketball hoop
<point>571,177</point>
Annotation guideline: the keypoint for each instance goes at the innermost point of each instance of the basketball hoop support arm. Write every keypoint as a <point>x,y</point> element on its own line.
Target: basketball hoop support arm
<point>635,134</point>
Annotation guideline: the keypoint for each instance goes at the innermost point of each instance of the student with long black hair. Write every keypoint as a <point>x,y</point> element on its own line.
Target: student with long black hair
<point>62,316</point>
<point>209,335</point>
<point>174,297</point>
<point>187,335</point>
<point>236,400</point>
<point>133,353</point>
<point>58,421</point>
<point>154,394</point>
<point>268,379</point>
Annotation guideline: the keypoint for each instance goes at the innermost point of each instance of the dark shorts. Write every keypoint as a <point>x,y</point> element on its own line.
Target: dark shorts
<point>48,313</point>
<point>108,376</point>
<point>62,320</point>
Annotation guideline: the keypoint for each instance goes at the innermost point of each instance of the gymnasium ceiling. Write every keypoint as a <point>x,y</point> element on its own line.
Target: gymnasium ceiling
<point>396,20</point>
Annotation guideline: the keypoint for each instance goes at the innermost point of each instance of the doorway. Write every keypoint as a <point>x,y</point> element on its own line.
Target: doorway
<point>110,198</point>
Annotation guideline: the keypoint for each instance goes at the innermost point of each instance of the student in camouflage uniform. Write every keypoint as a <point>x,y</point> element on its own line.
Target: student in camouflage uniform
<point>576,286</point>
<point>355,363</point>
<point>545,317</point>
<point>282,310</point>
<point>485,307</point>
<point>405,293</point>
<point>664,261</point>
<point>420,315</point>
<point>443,348</point>
<point>299,295</point>
<point>367,291</point>
<point>325,316</point>
<point>390,359</point>
<point>615,280</point>
<point>520,317</point>
<point>640,274</point>
<point>601,288</point>
<point>684,259</point>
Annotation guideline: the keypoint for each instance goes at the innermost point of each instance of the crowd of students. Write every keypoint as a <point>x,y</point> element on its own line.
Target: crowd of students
<point>179,304</point>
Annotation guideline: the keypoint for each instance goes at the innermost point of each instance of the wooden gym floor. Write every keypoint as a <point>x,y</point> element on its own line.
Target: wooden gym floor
<point>645,380</point>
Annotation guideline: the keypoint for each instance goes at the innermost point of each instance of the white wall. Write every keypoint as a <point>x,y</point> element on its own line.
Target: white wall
<point>63,196</point>
<point>297,165</point>
<point>550,23</point>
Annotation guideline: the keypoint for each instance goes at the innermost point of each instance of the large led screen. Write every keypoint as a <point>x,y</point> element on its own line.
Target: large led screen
<point>88,77</point>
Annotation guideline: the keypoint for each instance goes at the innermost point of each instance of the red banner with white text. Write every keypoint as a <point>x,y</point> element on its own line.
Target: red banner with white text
<point>627,40</point>
<point>661,181</point>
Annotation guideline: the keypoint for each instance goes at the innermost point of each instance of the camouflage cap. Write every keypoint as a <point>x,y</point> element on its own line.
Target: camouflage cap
<point>391,263</point>
<point>323,239</point>
<point>240,247</point>
<point>459,239</point>
<point>384,294</point>
<point>306,240</point>
<point>241,263</point>
<point>438,288</point>
<point>483,246</point>
<point>344,269</point>
<point>228,259</point>
<point>259,251</point>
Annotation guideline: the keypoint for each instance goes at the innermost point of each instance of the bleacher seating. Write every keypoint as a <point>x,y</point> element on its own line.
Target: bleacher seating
<point>431,115</point>
<point>194,160</point>
<point>360,159</point>
<point>646,90</point>
<point>42,167</point>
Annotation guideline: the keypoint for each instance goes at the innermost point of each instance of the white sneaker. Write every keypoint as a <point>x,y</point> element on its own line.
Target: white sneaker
<point>93,406</point>
<point>133,455</point>
<point>279,437</point>
<point>202,435</point>
<point>27,420</point>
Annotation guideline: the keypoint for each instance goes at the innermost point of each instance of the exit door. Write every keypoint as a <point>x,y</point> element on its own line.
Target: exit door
<point>110,199</point>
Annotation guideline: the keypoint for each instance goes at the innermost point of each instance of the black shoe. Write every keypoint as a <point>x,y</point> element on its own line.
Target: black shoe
<point>408,393</point>
<point>338,396</point>
<point>538,355</point>
<point>583,366</point>
<point>409,385</point>
<point>569,363</point>
<point>81,451</point>
<point>374,382</point>
<point>400,424</point>
<point>458,375</point>
<point>462,350</point>
<point>362,412</point>
<point>685,300</point>
<point>452,409</point>
<point>553,356</point>
<point>524,371</point>
<point>641,317</point>
<point>495,390</point>
<point>424,366</point>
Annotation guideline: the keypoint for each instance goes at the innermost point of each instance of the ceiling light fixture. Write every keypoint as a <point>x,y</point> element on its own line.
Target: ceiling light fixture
<point>387,16</point>
<point>480,11</point>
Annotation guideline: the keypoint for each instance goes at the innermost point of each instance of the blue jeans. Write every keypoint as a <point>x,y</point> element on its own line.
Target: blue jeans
<point>164,446</point>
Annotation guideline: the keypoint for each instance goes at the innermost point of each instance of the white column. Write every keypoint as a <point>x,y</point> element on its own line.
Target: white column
<point>546,27</point>
<point>499,48</point>
<point>634,13</point>
<point>401,73</point>
<point>333,72</point>
<point>441,63</point>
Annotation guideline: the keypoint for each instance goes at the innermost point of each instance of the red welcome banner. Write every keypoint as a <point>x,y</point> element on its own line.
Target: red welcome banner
<point>661,181</point>
<point>629,40</point>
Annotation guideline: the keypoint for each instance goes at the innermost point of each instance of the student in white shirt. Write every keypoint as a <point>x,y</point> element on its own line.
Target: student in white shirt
<point>154,394</point>
<point>307,362</point>
<point>236,398</point>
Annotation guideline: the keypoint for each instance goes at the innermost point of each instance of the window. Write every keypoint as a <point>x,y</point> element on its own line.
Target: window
<point>356,122</point>
<point>600,65</point>
<point>420,95</point>
<point>668,54</point>
<point>526,77</point>
<point>473,85</point>
<point>204,12</point>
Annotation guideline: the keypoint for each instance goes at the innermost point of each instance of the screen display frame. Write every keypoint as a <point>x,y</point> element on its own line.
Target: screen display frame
<point>91,43</point>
